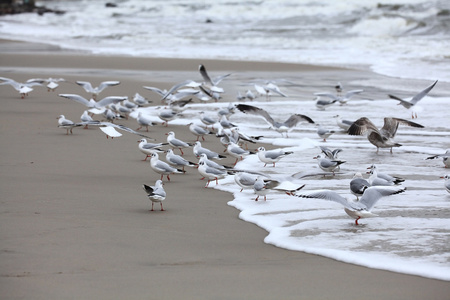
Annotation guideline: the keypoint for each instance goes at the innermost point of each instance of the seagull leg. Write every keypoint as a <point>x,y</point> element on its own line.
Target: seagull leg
<point>356,221</point>
<point>138,128</point>
<point>146,158</point>
<point>181,150</point>
<point>274,165</point>
<point>207,184</point>
<point>152,207</point>
<point>162,208</point>
<point>217,182</point>
<point>203,137</point>
<point>168,178</point>
<point>236,161</point>
<point>257,198</point>
<point>162,176</point>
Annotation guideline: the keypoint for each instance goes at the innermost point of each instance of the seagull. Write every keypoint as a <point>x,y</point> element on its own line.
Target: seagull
<point>447,182</point>
<point>382,179</point>
<point>227,110</point>
<point>333,155</point>
<point>179,105</point>
<point>177,161</point>
<point>356,209</point>
<point>162,168</point>
<point>211,173</point>
<point>341,98</point>
<point>110,129</point>
<point>22,88</point>
<point>198,150</point>
<point>139,100</point>
<point>207,120</point>
<point>381,138</point>
<point>198,131</point>
<point>92,103</point>
<point>225,123</point>
<point>144,121</point>
<point>87,86</point>
<point>272,156</point>
<point>445,158</point>
<point>52,83</point>
<point>324,133</point>
<point>176,143</point>
<point>86,118</point>
<point>343,123</point>
<point>67,124</point>
<point>210,163</point>
<point>409,104</point>
<point>167,115</point>
<point>149,148</point>
<point>245,180</point>
<point>358,185</point>
<point>268,90</point>
<point>249,95</point>
<point>211,83</point>
<point>263,185</point>
<point>321,104</point>
<point>234,150</point>
<point>155,193</point>
<point>280,127</point>
<point>327,164</point>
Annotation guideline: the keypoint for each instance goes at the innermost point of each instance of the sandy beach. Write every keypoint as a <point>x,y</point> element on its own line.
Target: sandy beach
<point>76,223</point>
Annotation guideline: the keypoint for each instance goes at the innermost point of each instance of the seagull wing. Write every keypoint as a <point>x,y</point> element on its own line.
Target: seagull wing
<point>109,100</point>
<point>373,194</point>
<point>390,126</point>
<point>105,84</point>
<point>253,110</point>
<point>295,119</point>
<point>327,195</point>
<point>361,126</point>
<point>329,95</point>
<point>205,75</point>
<point>349,94</point>
<point>77,98</point>
<point>422,94</point>
<point>87,86</point>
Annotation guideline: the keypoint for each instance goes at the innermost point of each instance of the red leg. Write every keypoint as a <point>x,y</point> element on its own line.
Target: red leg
<point>162,208</point>
<point>181,150</point>
<point>152,207</point>
<point>356,221</point>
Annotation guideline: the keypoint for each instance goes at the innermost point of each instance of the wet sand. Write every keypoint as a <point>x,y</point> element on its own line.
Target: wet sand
<point>75,222</point>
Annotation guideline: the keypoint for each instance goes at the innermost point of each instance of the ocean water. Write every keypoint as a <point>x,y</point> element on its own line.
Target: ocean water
<point>412,231</point>
<point>402,38</point>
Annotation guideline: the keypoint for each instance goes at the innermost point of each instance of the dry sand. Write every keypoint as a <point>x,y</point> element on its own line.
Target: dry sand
<point>75,222</point>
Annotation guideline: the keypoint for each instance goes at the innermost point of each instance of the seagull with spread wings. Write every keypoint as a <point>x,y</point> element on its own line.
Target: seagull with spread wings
<point>381,138</point>
<point>410,104</point>
<point>281,127</point>
<point>87,86</point>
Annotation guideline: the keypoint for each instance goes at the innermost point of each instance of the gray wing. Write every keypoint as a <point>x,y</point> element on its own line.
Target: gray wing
<point>105,84</point>
<point>375,193</point>
<point>179,143</point>
<point>390,126</point>
<point>76,98</point>
<point>361,126</point>
<point>156,90</point>
<point>175,87</point>
<point>253,110</point>
<point>204,74</point>
<point>109,100</point>
<point>86,86</point>
<point>359,185</point>
<point>422,94</point>
<point>349,94</point>
<point>214,171</point>
<point>118,126</point>
<point>295,119</point>
<point>327,195</point>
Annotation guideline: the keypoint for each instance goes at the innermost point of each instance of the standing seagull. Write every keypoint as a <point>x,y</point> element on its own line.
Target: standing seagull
<point>327,164</point>
<point>67,124</point>
<point>198,131</point>
<point>377,178</point>
<point>52,83</point>
<point>176,143</point>
<point>234,150</point>
<point>358,185</point>
<point>324,133</point>
<point>210,173</point>
<point>381,138</point>
<point>278,126</point>
<point>272,156</point>
<point>410,104</point>
<point>155,193</point>
<point>161,167</point>
<point>177,161</point>
<point>356,209</point>
<point>198,150</point>
<point>342,99</point>
<point>97,90</point>
<point>149,148</point>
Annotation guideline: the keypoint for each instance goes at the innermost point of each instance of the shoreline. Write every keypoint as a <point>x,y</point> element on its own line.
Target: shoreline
<point>76,222</point>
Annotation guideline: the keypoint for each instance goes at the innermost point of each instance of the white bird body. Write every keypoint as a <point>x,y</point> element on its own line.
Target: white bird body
<point>155,193</point>
<point>176,143</point>
<point>92,103</point>
<point>382,179</point>
<point>324,133</point>
<point>177,161</point>
<point>445,158</point>
<point>211,173</point>
<point>149,148</point>
<point>22,88</point>
<point>358,185</point>
<point>162,167</point>
<point>198,131</point>
<point>144,121</point>
<point>198,150</point>
<point>237,152</point>
<point>356,209</point>
<point>271,156</point>
<point>245,180</point>
<point>327,164</point>
<point>67,124</point>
